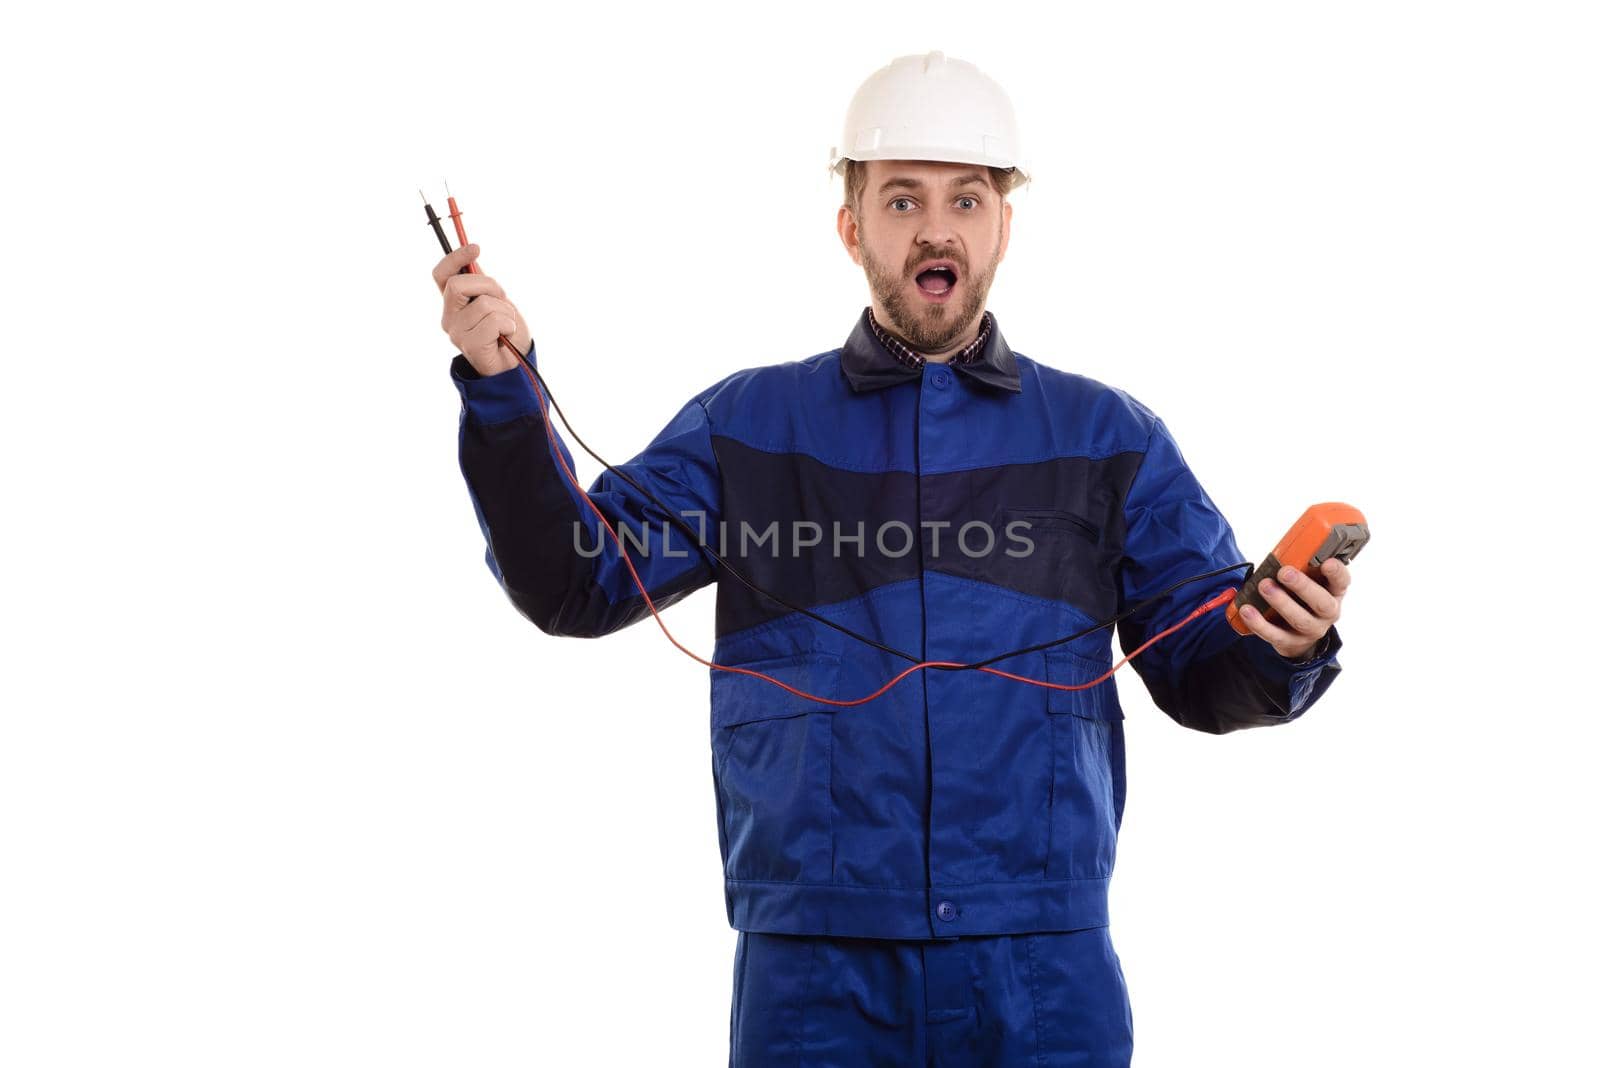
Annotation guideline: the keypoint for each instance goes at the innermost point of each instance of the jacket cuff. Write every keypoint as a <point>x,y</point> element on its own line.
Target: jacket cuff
<point>1295,679</point>
<point>1326,646</point>
<point>497,398</point>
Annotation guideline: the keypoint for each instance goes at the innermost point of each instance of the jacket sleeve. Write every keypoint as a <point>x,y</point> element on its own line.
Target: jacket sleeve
<point>545,546</point>
<point>1207,676</point>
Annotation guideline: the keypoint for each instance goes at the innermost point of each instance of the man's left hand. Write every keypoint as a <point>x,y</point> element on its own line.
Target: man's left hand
<point>1304,621</point>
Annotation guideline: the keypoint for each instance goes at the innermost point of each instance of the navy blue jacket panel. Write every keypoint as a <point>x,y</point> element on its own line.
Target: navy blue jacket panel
<point>949,513</point>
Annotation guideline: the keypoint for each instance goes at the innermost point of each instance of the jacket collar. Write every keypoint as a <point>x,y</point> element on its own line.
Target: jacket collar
<point>868,365</point>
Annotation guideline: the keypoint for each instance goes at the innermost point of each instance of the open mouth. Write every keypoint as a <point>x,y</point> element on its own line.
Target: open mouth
<point>937,280</point>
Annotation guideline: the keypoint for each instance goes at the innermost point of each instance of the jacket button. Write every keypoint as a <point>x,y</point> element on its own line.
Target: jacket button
<point>946,911</point>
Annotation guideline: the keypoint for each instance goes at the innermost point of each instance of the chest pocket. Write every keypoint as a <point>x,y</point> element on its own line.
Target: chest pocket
<point>1054,520</point>
<point>1068,559</point>
<point>1087,781</point>
<point>772,762</point>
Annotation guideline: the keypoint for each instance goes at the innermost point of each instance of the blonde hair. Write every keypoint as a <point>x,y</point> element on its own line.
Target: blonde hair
<point>1005,179</point>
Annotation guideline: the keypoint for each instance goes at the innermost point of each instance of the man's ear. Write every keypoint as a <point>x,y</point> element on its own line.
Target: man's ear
<point>1005,228</point>
<point>849,233</point>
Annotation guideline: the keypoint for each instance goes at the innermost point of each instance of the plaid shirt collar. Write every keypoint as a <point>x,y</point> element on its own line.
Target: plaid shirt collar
<point>872,357</point>
<point>902,352</point>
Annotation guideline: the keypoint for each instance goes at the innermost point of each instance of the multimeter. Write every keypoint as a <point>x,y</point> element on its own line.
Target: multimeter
<point>1326,531</point>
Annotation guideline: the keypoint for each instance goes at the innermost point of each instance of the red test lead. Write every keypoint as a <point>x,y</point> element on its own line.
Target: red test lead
<point>461,231</point>
<point>536,382</point>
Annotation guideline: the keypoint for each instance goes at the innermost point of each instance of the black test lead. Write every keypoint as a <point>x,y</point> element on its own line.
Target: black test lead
<point>433,221</point>
<point>541,392</point>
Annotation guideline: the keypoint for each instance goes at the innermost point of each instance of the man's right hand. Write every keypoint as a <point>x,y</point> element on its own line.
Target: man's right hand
<point>476,313</point>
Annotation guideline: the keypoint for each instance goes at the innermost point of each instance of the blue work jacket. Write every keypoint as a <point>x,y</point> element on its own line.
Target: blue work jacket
<point>959,802</point>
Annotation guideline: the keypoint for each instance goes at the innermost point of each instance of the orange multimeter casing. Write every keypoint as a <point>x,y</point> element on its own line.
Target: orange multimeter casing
<point>1325,530</point>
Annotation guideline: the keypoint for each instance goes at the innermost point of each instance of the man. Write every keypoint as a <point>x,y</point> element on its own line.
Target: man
<point>920,878</point>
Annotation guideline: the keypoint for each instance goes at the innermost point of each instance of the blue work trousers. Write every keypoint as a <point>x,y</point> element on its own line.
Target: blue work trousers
<point>1046,1000</point>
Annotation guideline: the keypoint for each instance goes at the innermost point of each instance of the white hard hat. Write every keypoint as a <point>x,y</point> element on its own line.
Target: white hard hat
<point>931,107</point>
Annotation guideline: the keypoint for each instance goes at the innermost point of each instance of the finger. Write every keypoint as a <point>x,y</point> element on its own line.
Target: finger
<point>459,290</point>
<point>1312,593</point>
<point>1293,612</point>
<point>1337,572</point>
<point>451,265</point>
<point>522,339</point>
<point>485,337</point>
<point>464,319</point>
<point>472,318</point>
<point>1269,632</point>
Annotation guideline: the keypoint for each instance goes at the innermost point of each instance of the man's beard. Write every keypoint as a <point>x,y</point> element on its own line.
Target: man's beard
<point>929,327</point>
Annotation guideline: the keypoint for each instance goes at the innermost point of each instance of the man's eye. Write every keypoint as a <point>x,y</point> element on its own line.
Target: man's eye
<point>970,200</point>
<point>898,200</point>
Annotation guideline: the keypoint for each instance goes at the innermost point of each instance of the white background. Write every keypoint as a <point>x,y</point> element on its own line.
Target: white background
<point>284,779</point>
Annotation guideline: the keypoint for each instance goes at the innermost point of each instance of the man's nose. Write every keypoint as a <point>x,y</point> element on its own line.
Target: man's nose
<point>937,227</point>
